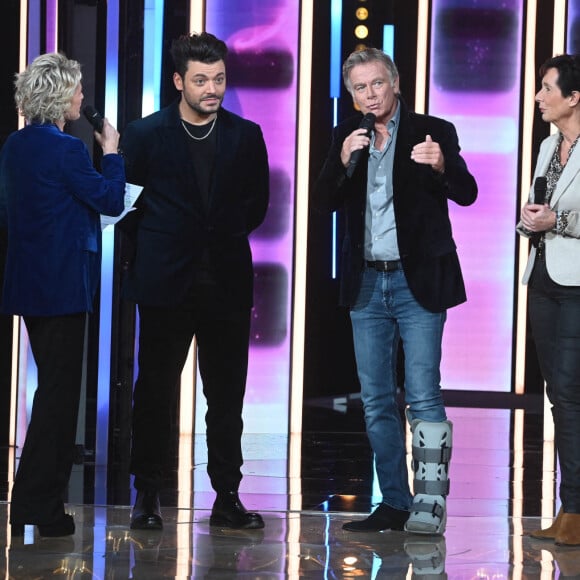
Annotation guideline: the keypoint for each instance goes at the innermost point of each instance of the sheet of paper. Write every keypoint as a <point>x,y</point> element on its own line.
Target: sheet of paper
<point>132,192</point>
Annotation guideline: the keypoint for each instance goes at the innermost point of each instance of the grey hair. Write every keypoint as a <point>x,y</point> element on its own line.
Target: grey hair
<point>368,55</point>
<point>44,90</point>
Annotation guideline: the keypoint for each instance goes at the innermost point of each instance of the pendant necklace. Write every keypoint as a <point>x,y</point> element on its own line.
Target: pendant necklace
<point>199,138</point>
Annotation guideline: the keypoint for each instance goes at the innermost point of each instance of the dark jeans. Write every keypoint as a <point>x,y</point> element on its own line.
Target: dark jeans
<point>46,461</point>
<point>165,336</point>
<point>555,321</point>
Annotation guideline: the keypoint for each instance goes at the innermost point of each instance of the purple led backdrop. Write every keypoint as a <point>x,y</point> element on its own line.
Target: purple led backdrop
<point>475,84</point>
<point>261,86</point>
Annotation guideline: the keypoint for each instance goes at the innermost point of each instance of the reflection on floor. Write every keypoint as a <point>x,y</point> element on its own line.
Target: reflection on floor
<point>503,485</point>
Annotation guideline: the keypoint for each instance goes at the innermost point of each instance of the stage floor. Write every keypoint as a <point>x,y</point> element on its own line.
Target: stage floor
<point>503,485</point>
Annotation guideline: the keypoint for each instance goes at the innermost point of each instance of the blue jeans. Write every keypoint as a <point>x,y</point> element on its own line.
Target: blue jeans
<point>386,312</point>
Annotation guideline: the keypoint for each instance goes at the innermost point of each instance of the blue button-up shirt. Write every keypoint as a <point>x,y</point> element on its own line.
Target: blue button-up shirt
<point>380,227</point>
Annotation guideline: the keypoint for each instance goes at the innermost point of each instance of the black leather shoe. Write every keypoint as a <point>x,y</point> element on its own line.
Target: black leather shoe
<point>146,514</point>
<point>65,526</point>
<point>229,512</point>
<point>383,518</point>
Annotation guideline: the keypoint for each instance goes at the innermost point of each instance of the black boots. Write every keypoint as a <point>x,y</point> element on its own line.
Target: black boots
<point>146,514</point>
<point>229,512</point>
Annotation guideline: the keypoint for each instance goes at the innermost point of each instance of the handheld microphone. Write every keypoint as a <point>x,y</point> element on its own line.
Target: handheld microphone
<point>94,118</point>
<point>540,190</point>
<point>367,122</point>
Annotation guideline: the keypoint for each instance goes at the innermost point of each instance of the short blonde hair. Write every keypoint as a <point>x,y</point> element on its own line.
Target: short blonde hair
<point>44,91</point>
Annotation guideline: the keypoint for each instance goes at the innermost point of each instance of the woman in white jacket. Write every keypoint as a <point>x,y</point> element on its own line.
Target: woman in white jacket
<point>553,277</point>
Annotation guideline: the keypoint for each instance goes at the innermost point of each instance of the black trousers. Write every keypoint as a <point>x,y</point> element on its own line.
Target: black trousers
<point>165,335</point>
<point>47,456</point>
<point>555,320</point>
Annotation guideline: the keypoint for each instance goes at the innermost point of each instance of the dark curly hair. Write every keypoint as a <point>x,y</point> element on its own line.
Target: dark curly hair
<point>203,47</point>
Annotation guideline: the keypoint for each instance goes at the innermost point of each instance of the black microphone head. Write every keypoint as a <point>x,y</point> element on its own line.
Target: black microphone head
<point>540,188</point>
<point>94,117</point>
<point>368,122</point>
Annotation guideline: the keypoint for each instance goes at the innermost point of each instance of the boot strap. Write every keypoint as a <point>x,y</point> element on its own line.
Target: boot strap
<point>429,487</point>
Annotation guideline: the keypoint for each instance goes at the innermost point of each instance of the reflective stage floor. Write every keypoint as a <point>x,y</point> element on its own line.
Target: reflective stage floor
<point>503,485</point>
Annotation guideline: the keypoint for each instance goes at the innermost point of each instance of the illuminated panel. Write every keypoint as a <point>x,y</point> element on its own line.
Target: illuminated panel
<point>51,25</point>
<point>475,84</point>
<point>107,261</point>
<point>335,49</point>
<point>335,88</point>
<point>389,40</point>
<point>529,110</point>
<point>262,73</point>
<point>152,52</point>
<point>300,260</point>
<point>573,40</point>
<point>34,46</point>
<point>421,67</point>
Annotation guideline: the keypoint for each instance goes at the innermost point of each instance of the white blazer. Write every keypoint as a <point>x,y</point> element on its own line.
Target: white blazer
<point>562,251</point>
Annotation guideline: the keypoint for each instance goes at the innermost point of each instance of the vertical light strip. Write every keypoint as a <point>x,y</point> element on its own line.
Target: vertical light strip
<point>529,91</point>
<point>16,319</point>
<point>334,248</point>
<point>549,466</point>
<point>185,543</point>
<point>389,40</point>
<point>335,48</point>
<point>559,39</point>
<point>196,16</point>
<point>34,35</point>
<point>189,374</point>
<point>51,25</point>
<point>186,422</point>
<point>518,493</point>
<point>185,468</point>
<point>301,242</point>
<point>421,72</point>
<point>23,37</point>
<point>152,55</point>
<point>106,301</point>
<point>13,402</point>
<point>335,88</point>
<point>107,261</point>
<point>293,560</point>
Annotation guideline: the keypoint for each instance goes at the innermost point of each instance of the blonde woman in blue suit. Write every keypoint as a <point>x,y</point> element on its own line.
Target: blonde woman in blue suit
<point>553,277</point>
<point>50,201</point>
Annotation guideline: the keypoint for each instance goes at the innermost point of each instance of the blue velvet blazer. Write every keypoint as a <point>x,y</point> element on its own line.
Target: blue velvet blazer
<point>172,228</point>
<point>51,197</point>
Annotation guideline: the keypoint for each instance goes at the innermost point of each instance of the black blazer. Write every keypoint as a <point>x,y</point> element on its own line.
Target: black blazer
<point>172,229</point>
<point>427,249</point>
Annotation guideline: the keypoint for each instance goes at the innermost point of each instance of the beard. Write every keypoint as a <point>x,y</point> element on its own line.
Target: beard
<point>205,110</point>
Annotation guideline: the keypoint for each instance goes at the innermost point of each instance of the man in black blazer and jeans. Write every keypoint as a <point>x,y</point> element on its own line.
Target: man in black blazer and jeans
<point>399,274</point>
<point>206,186</point>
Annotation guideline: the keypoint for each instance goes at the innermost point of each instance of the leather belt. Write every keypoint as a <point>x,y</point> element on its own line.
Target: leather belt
<point>384,265</point>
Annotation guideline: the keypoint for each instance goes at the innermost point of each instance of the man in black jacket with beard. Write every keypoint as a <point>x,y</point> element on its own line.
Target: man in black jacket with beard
<point>206,186</point>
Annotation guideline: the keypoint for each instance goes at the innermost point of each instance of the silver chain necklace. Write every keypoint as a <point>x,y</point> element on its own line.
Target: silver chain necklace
<point>199,138</point>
